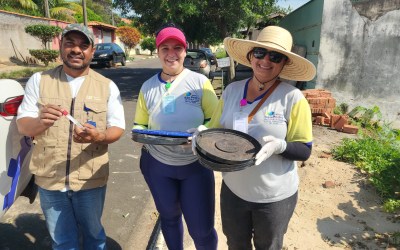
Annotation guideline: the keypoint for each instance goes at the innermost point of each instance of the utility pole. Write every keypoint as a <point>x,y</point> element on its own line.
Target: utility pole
<point>85,22</point>
<point>46,9</point>
<point>112,17</point>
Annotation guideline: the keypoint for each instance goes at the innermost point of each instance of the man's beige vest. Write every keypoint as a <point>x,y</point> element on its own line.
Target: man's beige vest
<point>57,161</point>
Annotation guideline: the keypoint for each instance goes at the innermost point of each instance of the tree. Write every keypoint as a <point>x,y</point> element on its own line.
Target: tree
<point>149,43</point>
<point>26,4</point>
<point>45,33</point>
<point>214,20</point>
<point>102,8</point>
<point>28,7</point>
<point>67,10</point>
<point>129,36</point>
<point>91,16</point>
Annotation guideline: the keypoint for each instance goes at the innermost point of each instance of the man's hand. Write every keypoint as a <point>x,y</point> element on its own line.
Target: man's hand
<point>89,134</point>
<point>49,114</point>
<point>272,146</point>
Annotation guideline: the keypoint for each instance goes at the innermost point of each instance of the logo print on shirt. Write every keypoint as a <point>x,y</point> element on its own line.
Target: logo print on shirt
<point>271,117</point>
<point>191,98</point>
<point>90,97</point>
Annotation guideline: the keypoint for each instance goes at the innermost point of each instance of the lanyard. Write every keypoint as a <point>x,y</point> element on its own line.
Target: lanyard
<point>268,93</point>
<point>169,90</point>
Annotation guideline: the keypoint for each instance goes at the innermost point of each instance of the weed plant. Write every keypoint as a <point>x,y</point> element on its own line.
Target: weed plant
<point>377,153</point>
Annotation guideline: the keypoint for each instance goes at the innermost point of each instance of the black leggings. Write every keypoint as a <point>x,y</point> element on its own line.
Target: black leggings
<point>266,223</point>
<point>185,189</point>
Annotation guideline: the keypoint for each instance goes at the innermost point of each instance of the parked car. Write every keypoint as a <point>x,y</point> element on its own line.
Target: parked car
<point>210,54</point>
<point>242,72</point>
<point>108,54</point>
<point>14,148</point>
<point>198,61</point>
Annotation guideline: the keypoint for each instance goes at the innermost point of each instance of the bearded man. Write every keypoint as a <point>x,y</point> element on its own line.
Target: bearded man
<point>70,156</point>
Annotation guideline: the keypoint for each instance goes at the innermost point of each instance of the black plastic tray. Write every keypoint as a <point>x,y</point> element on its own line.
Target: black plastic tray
<point>222,167</point>
<point>227,146</point>
<point>158,140</point>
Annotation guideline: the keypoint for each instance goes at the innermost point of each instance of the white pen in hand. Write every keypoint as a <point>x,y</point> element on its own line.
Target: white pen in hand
<point>73,120</point>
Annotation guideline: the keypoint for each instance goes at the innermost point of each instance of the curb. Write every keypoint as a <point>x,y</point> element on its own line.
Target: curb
<point>156,241</point>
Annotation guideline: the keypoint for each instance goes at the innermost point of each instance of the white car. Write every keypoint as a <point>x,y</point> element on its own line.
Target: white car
<point>14,148</point>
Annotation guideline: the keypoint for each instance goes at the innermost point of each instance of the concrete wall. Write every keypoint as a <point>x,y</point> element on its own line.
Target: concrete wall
<point>305,26</point>
<point>359,55</point>
<point>12,27</point>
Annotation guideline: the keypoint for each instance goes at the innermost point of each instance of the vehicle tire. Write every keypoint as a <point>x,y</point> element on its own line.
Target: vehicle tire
<point>111,63</point>
<point>123,61</point>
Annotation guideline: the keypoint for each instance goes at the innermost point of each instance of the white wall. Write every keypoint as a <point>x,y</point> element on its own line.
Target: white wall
<point>12,27</point>
<point>359,55</point>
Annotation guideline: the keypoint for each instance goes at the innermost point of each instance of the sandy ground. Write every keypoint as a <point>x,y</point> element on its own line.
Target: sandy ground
<point>346,216</point>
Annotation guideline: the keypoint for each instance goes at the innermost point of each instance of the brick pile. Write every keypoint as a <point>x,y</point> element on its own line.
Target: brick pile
<point>322,105</point>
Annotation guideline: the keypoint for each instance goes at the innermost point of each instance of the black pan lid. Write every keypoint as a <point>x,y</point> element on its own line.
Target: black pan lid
<point>158,140</point>
<point>222,167</point>
<point>227,146</point>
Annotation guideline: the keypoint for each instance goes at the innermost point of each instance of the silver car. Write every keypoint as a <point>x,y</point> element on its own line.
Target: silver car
<point>198,61</point>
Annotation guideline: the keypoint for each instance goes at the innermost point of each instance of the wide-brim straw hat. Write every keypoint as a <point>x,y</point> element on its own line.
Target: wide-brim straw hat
<point>277,39</point>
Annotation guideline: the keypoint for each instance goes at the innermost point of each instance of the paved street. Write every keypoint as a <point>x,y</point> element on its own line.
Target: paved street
<point>129,215</point>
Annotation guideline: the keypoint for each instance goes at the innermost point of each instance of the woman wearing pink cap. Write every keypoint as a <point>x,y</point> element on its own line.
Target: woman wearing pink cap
<point>177,99</point>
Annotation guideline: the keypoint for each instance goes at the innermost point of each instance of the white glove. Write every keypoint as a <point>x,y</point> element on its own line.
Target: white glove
<point>195,132</point>
<point>272,146</point>
<point>139,127</point>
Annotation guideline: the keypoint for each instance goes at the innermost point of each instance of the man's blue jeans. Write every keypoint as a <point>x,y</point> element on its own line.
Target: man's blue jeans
<point>71,215</point>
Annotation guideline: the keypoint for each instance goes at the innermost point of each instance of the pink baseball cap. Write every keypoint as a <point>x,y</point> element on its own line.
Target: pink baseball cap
<point>170,33</point>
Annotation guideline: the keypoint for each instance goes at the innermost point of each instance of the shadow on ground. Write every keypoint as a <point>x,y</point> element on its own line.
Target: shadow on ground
<point>29,232</point>
<point>128,80</point>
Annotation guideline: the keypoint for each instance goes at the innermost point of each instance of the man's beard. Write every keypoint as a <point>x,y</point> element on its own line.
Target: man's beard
<point>72,66</point>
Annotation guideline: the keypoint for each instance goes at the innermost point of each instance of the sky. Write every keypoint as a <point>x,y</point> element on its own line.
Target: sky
<point>294,4</point>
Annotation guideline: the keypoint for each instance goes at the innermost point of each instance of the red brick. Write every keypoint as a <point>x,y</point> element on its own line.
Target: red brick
<point>312,95</point>
<point>331,103</point>
<point>326,115</point>
<point>313,100</point>
<point>319,105</point>
<point>350,129</point>
<point>319,120</point>
<point>325,94</point>
<point>341,122</point>
<point>334,120</point>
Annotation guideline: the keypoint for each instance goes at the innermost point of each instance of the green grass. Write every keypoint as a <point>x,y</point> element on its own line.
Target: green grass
<point>220,53</point>
<point>25,72</point>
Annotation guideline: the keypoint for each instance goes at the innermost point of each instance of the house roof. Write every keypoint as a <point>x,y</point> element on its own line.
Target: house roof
<point>126,20</point>
<point>101,25</point>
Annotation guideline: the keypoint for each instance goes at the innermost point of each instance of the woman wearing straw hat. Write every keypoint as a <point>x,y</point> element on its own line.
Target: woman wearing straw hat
<point>258,202</point>
<point>177,99</point>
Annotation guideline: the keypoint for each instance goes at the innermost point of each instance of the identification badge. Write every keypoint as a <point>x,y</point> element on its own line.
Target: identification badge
<point>168,104</point>
<point>240,122</point>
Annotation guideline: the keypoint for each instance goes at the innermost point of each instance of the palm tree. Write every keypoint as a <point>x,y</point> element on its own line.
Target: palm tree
<point>46,9</point>
<point>24,4</point>
<point>60,9</point>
